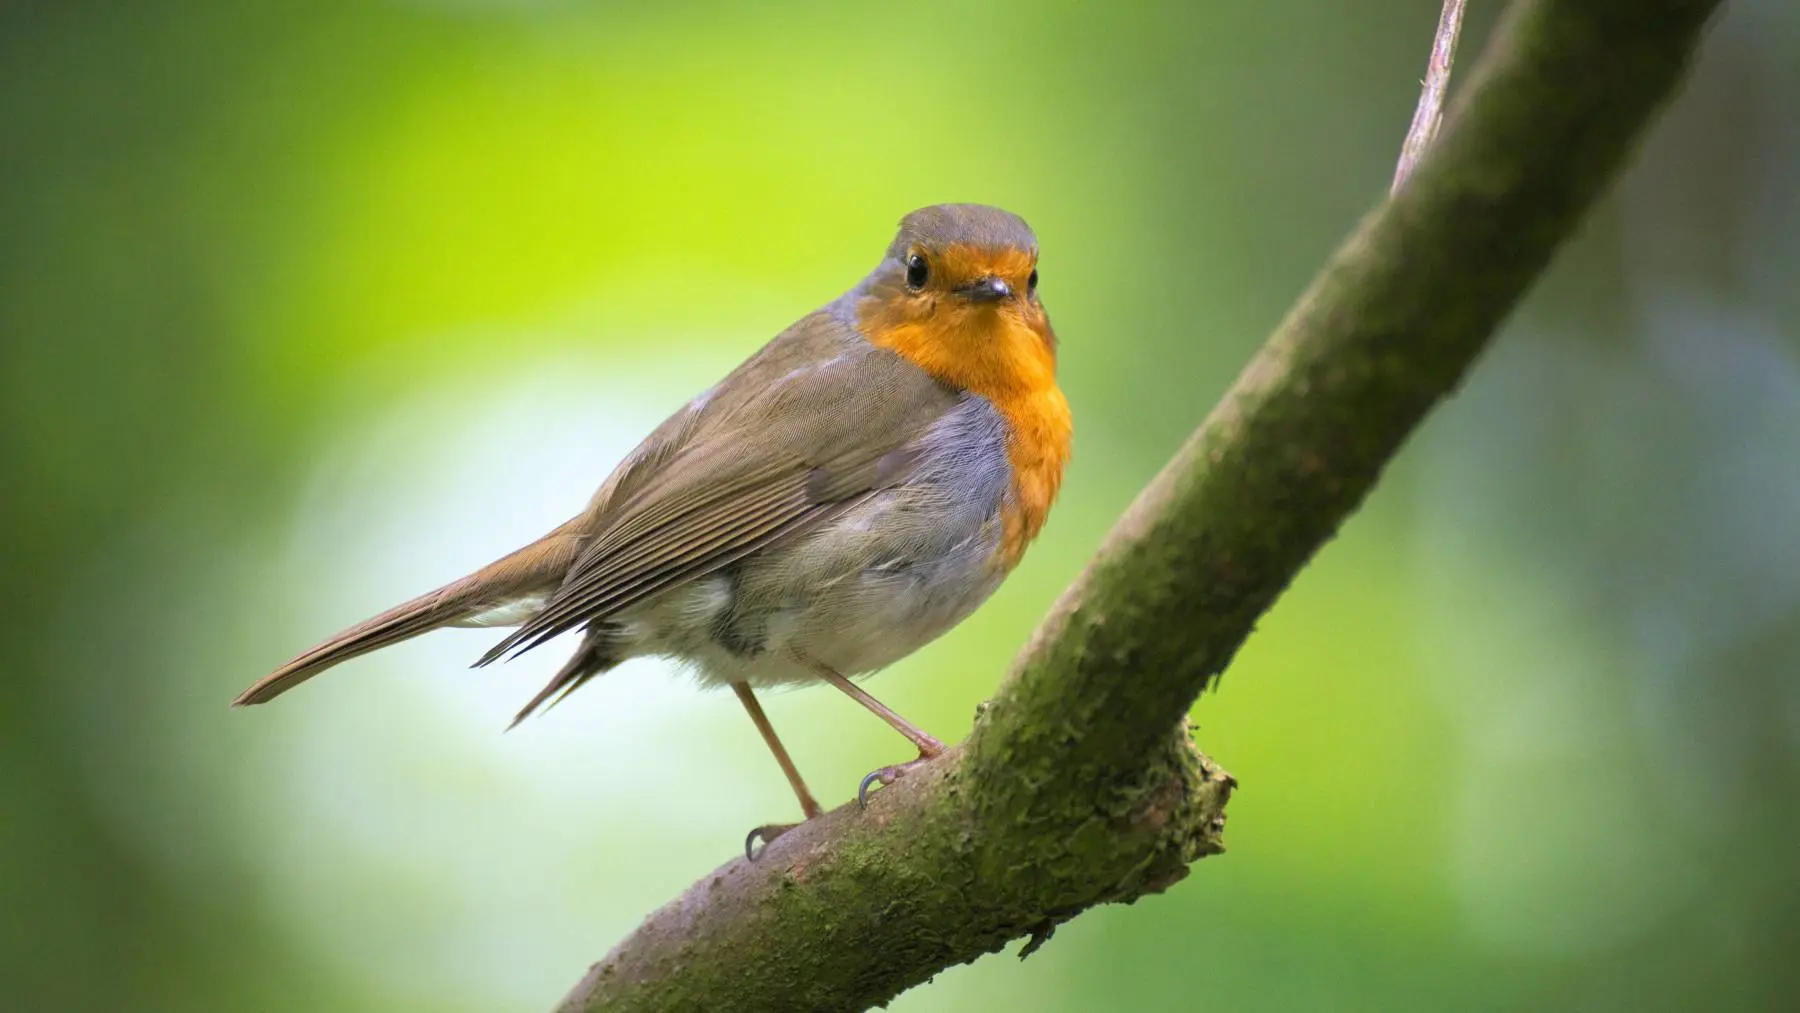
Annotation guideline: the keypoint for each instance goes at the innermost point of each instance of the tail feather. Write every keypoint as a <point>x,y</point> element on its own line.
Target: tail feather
<point>531,570</point>
<point>402,622</point>
<point>594,656</point>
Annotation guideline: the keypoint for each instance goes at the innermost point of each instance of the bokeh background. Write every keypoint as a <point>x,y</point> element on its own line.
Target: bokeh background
<point>307,307</point>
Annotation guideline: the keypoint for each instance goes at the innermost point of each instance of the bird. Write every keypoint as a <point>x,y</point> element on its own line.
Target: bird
<point>852,491</point>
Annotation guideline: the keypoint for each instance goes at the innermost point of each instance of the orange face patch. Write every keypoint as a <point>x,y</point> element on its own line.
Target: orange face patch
<point>960,263</point>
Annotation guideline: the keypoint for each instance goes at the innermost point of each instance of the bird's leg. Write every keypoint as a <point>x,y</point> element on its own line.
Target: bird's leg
<point>928,746</point>
<point>808,805</point>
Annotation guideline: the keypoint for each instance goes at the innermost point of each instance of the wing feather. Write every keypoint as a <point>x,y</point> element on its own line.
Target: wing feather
<point>750,470</point>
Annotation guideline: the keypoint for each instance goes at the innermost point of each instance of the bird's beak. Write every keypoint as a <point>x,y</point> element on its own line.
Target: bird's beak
<point>988,289</point>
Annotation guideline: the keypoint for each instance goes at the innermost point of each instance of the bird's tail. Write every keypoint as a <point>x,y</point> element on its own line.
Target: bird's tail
<point>533,570</point>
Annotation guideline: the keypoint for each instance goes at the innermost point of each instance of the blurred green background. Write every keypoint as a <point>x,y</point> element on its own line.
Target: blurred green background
<point>307,307</point>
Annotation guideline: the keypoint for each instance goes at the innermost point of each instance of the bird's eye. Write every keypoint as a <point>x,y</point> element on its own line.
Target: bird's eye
<point>1031,282</point>
<point>917,271</point>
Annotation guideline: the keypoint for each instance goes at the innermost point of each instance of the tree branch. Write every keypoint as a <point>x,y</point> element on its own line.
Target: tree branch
<point>1078,785</point>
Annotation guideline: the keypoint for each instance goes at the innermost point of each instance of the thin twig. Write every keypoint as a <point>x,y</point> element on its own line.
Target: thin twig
<point>1431,97</point>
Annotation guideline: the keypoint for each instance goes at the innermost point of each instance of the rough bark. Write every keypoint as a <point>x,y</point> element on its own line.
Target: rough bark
<point>1078,785</point>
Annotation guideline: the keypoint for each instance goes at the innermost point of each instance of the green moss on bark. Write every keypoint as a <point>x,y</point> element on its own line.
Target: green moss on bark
<point>848,912</point>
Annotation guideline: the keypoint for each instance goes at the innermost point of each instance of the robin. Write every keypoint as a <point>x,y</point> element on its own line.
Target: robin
<point>848,494</point>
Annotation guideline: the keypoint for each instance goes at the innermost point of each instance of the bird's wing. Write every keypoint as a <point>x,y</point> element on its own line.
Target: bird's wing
<point>749,464</point>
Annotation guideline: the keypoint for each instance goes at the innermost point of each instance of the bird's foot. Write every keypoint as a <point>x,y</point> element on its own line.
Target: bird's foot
<point>766,834</point>
<point>769,831</point>
<point>886,776</point>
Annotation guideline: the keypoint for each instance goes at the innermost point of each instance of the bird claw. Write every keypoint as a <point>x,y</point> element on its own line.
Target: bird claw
<point>885,776</point>
<point>767,832</point>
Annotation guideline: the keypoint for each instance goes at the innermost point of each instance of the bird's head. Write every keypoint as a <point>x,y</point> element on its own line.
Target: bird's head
<point>957,293</point>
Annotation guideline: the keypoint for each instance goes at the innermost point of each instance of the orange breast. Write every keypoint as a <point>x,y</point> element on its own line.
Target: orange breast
<point>1042,430</point>
<point>1008,356</point>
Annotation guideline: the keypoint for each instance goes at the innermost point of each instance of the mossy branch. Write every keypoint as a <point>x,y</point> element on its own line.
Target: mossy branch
<point>1079,785</point>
